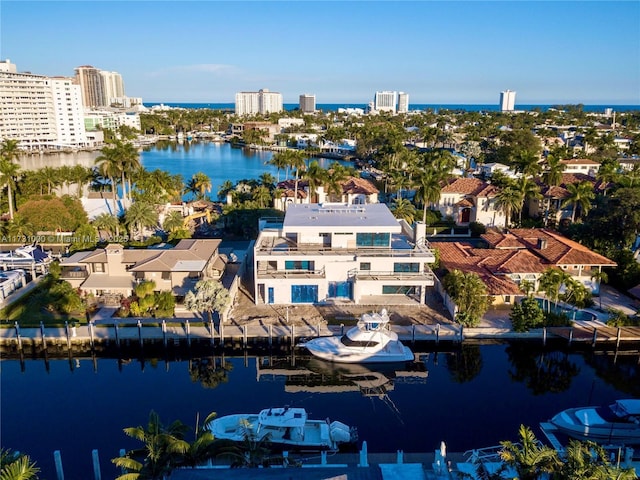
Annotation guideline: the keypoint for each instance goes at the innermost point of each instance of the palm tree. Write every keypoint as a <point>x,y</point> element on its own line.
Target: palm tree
<point>279,160</point>
<point>17,466</point>
<point>550,283</point>
<point>108,164</point>
<point>224,189</point>
<point>173,221</point>
<point>9,169</point>
<point>529,457</point>
<point>600,277</point>
<point>404,209</point>
<point>400,181</point>
<point>428,187</point>
<point>528,163</point>
<point>553,170</point>
<point>209,296</point>
<point>527,189</point>
<point>202,184</point>
<point>316,176</point>
<point>105,222</point>
<point>588,460</point>
<point>267,180</point>
<point>335,177</point>
<point>20,227</point>
<point>608,173</point>
<point>130,162</point>
<point>200,449</point>
<point>262,196</point>
<point>508,199</point>
<point>163,446</point>
<point>140,215</point>
<point>580,196</point>
<point>296,161</point>
<point>469,293</point>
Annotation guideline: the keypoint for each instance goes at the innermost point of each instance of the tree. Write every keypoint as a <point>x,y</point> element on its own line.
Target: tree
<point>404,209</point>
<point>105,223</point>
<point>140,215</point>
<point>296,161</point>
<point>17,466</point>
<point>173,221</point>
<point>529,457</point>
<point>600,277</point>
<point>588,460</point>
<point>526,314</point>
<point>508,200</point>
<point>580,196</point>
<point>550,282</point>
<point>262,196</point>
<point>109,167</point>
<point>162,447</point>
<point>199,185</point>
<point>428,189</point>
<point>316,176</point>
<point>209,296</point>
<point>469,293</point>
<point>9,154</point>
<point>280,161</point>
<point>201,449</point>
<point>553,170</point>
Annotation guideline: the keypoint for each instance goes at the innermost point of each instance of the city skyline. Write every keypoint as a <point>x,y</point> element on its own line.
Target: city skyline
<point>341,52</point>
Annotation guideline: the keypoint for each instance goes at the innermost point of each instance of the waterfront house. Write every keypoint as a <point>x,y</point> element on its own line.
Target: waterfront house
<point>112,272</point>
<point>467,200</point>
<point>581,165</point>
<point>521,255</point>
<point>336,252</point>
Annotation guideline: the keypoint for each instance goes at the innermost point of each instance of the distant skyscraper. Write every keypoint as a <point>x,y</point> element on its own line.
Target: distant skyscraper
<point>507,101</point>
<point>403,102</point>
<point>92,86</point>
<point>385,101</point>
<point>113,86</point>
<point>263,101</point>
<point>307,103</point>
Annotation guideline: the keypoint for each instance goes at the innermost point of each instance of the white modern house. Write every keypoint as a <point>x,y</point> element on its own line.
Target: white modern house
<point>336,252</point>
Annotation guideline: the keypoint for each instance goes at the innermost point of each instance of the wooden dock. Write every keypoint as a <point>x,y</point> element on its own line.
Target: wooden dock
<point>597,333</point>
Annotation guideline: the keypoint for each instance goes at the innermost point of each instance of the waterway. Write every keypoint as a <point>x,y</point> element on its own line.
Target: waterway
<point>469,397</point>
<point>220,161</point>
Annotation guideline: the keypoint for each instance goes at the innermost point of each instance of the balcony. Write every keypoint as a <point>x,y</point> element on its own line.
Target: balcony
<point>293,274</point>
<point>369,275</point>
<point>74,273</point>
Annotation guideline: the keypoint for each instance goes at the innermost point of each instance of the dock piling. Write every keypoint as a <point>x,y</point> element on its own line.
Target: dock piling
<point>270,335</point>
<point>570,335</point>
<point>18,337</point>
<point>57,458</point>
<point>413,334</point>
<point>164,333</point>
<point>437,333</point>
<point>595,337</point>
<point>91,340</point>
<point>544,336</point>
<point>115,329</point>
<point>618,338</point>
<point>139,323</point>
<point>188,329</point>
<point>66,332</point>
<point>97,475</point>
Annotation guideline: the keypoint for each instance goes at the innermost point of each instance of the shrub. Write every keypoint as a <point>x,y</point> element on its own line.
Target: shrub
<point>477,229</point>
<point>526,315</point>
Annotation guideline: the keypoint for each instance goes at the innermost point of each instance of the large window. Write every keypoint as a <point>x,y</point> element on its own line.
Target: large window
<point>298,265</point>
<point>372,239</point>
<point>397,290</point>
<point>304,294</point>
<point>406,267</point>
<point>340,289</point>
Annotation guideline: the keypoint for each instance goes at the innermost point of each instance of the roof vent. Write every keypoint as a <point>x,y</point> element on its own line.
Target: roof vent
<point>542,243</point>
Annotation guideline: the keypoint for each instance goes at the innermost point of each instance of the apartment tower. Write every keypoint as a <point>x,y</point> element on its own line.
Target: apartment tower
<point>507,101</point>
<point>385,101</point>
<point>260,102</point>
<point>403,102</point>
<point>92,86</point>
<point>307,103</point>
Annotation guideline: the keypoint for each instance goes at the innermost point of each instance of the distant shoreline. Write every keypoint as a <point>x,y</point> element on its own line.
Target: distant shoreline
<point>413,107</point>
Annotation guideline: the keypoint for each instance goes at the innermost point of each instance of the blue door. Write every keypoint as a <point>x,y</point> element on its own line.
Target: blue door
<point>270,295</point>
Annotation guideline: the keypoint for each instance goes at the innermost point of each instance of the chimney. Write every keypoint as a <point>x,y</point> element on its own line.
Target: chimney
<point>419,233</point>
<point>542,243</point>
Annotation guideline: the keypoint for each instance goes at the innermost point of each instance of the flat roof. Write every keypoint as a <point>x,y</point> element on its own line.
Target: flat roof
<point>339,215</point>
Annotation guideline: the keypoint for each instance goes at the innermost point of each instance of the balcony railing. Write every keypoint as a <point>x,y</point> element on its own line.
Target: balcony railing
<point>272,273</point>
<point>391,275</point>
<point>74,274</point>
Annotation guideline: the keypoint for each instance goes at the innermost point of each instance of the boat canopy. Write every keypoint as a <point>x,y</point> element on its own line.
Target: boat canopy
<point>283,417</point>
<point>374,321</point>
<point>626,408</point>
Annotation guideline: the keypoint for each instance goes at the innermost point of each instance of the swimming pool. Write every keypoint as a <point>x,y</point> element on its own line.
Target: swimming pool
<point>581,315</point>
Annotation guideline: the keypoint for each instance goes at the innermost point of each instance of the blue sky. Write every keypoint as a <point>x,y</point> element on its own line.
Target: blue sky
<point>439,52</point>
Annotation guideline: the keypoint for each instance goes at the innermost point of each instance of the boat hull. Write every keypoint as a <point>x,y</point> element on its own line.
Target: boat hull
<point>331,349</point>
<point>586,424</point>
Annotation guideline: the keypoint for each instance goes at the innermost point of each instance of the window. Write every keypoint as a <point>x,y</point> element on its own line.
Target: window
<point>406,267</point>
<point>166,275</point>
<point>365,266</point>
<point>339,289</point>
<point>397,290</point>
<point>304,294</point>
<point>98,267</point>
<point>372,239</point>
<point>298,265</point>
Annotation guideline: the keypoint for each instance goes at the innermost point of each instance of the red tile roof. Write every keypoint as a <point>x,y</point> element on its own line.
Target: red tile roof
<point>470,186</point>
<point>579,161</point>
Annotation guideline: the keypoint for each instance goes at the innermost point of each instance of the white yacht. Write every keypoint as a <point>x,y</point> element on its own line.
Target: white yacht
<point>618,422</point>
<point>371,340</point>
<point>25,256</point>
<point>285,426</point>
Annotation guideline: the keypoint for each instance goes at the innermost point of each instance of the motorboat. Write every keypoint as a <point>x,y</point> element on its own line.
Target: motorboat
<point>618,422</point>
<point>371,341</point>
<point>25,256</point>
<point>284,426</point>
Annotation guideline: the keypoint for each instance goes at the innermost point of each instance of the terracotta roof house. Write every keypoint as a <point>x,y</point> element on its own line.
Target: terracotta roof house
<point>355,191</point>
<point>581,165</point>
<point>113,271</point>
<point>521,254</point>
<point>469,200</point>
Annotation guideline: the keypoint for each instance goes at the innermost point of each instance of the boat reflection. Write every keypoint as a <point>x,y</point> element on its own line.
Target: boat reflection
<point>313,375</point>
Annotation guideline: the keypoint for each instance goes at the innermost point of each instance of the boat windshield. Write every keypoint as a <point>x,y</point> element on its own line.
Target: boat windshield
<point>347,342</point>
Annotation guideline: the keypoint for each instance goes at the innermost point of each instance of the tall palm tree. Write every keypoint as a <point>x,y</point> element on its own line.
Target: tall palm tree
<point>173,221</point>
<point>316,176</point>
<point>9,168</point>
<point>202,184</point>
<point>580,196</point>
<point>140,215</point>
<point>508,200</point>
<point>109,167</point>
<point>428,187</point>
<point>528,163</point>
<point>267,180</point>
<point>527,189</point>
<point>105,222</point>
<point>224,189</point>
<point>600,277</point>
<point>608,173</point>
<point>550,282</point>
<point>401,180</point>
<point>334,179</point>
<point>553,169</point>
<point>162,447</point>
<point>469,293</point>
<point>529,457</point>
<point>279,160</point>
<point>296,161</point>
<point>262,196</point>
<point>129,163</point>
<point>588,460</point>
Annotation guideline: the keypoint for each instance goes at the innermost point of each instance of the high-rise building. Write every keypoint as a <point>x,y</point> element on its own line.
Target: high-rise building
<point>40,112</point>
<point>307,103</point>
<point>403,102</point>
<point>385,101</point>
<point>92,86</point>
<point>113,87</point>
<point>262,102</point>
<point>507,101</point>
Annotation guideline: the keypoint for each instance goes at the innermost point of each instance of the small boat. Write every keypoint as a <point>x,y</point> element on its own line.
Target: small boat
<point>371,341</point>
<point>25,256</point>
<point>618,422</point>
<point>285,426</point>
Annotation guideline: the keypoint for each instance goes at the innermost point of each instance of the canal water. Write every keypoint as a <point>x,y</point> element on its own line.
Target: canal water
<point>471,396</point>
<point>220,161</point>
